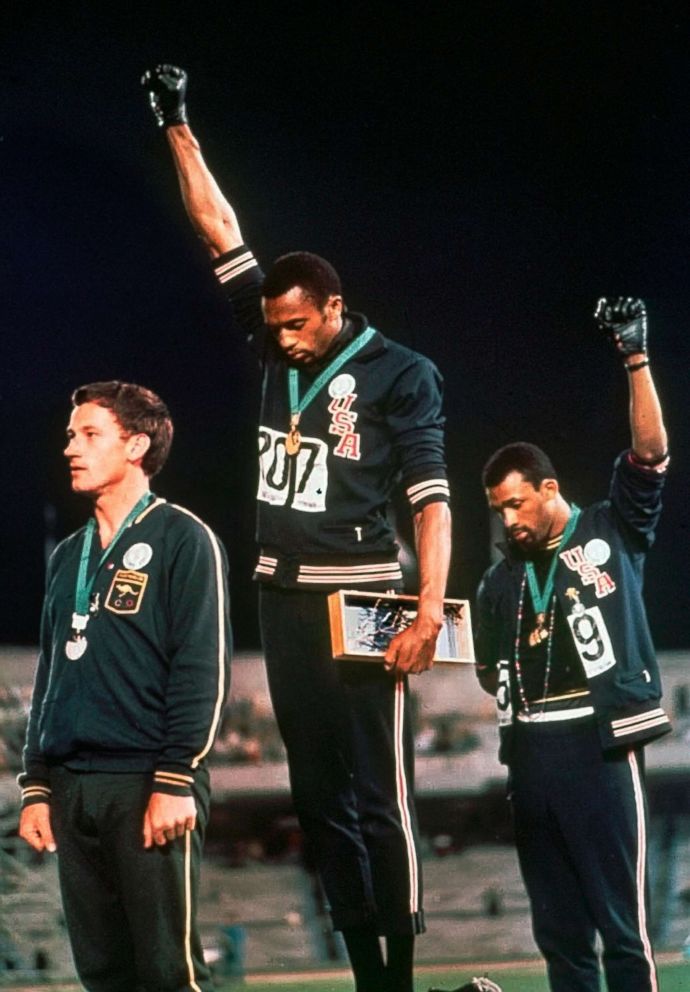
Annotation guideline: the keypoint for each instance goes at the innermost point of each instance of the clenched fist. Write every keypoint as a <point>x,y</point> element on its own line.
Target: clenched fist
<point>624,320</point>
<point>167,87</point>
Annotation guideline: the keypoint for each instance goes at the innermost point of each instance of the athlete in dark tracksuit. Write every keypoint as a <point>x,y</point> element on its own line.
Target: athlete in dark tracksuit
<point>563,641</point>
<point>322,526</point>
<point>345,416</point>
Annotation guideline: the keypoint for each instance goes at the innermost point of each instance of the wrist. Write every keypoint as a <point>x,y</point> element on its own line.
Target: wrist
<point>638,361</point>
<point>180,136</point>
<point>432,615</point>
<point>173,119</point>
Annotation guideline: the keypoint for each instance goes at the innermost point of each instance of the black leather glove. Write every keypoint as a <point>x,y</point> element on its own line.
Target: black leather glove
<point>624,320</point>
<point>167,87</point>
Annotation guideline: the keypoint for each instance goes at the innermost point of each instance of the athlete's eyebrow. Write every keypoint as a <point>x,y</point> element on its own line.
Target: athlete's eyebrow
<point>286,323</point>
<point>505,502</point>
<point>72,431</point>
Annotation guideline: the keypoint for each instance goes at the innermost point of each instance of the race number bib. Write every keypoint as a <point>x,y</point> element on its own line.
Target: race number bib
<point>504,706</point>
<point>299,481</point>
<point>592,640</point>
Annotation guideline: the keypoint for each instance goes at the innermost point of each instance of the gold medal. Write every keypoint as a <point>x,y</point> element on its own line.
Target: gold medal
<point>540,633</point>
<point>293,439</point>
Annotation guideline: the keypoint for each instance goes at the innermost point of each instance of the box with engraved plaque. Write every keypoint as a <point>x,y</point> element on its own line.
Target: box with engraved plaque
<point>364,623</point>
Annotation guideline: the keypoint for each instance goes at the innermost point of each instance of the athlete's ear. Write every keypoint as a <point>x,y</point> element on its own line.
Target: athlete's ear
<point>334,305</point>
<point>137,446</point>
<point>549,488</point>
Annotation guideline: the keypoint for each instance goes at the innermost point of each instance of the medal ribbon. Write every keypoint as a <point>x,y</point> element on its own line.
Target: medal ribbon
<point>540,598</point>
<point>82,593</point>
<point>297,405</point>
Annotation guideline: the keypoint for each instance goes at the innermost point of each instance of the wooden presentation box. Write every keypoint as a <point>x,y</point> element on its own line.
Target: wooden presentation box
<point>364,623</point>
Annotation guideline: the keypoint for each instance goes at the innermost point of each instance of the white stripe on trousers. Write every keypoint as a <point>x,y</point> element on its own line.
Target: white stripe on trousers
<point>403,796</point>
<point>188,909</point>
<point>641,868</point>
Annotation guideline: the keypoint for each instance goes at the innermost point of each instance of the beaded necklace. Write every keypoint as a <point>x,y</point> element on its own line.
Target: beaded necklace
<point>545,622</point>
<point>516,653</point>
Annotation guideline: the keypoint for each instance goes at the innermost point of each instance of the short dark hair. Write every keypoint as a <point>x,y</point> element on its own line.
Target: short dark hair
<point>139,411</point>
<point>533,463</point>
<point>310,272</point>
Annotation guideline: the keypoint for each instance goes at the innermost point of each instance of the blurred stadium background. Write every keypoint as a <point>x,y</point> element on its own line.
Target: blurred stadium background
<point>262,909</point>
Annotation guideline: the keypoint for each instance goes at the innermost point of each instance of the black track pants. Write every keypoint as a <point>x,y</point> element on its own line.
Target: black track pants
<point>130,912</point>
<point>581,832</point>
<point>347,730</point>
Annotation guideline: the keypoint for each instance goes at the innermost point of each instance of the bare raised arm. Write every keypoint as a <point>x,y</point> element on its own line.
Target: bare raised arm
<point>649,439</point>
<point>212,217</point>
<point>625,321</point>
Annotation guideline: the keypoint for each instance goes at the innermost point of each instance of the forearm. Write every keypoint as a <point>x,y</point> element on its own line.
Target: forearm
<point>34,778</point>
<point>412,651</point>
<point>199,645</point>
<point>487,646</point>
<point>648,433</point>
<point>433,543</point>
<point>212,217</point>
<point>624,321</point>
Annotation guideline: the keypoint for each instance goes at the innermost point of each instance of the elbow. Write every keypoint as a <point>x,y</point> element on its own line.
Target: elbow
<point>216,236</point>
<point>439,512</point>
<point>651,453</point>
<point>217,230</point>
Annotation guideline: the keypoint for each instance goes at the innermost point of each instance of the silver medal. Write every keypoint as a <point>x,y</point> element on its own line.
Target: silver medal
<point>74,649</point>
<point>76,646</point>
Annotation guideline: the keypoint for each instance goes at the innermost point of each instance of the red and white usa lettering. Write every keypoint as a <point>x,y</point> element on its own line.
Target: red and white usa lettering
<point>590,574</point>
<point>343,421</point>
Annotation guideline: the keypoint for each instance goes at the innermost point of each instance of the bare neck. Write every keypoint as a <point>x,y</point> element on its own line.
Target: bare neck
<point>561,516</point>
<point>111,507</point>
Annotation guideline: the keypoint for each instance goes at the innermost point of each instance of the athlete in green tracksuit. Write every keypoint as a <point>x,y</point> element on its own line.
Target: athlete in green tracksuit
<point>130,684</point>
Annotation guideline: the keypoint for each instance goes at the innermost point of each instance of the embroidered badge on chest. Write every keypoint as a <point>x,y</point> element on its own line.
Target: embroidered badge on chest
<point>126,591</point>
<point>138,555</point>
<point>343,417</point>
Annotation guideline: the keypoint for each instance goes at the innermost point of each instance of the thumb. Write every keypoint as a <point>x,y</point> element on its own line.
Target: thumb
<point>49,839</point>
<point>46,831</point>
<point>148,830</point>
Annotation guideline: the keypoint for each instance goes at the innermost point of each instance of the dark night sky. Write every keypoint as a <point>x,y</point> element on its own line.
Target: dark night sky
<point>479,172</point>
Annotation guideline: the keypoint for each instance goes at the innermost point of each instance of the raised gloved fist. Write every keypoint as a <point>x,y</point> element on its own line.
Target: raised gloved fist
<point>167,87</point>
<point>475,985</point>
<point>624,320</point>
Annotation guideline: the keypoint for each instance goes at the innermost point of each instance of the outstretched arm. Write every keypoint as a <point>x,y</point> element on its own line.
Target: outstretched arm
<point>625,321</point>
<point>212,217</point>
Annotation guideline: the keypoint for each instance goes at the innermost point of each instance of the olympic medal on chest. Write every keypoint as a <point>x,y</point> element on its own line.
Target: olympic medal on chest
<point>75,648</point>
<point>293,441</point>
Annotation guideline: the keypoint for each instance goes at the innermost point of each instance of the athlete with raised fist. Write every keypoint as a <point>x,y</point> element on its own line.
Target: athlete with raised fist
<point>564,644</point>
<point>345,414</point>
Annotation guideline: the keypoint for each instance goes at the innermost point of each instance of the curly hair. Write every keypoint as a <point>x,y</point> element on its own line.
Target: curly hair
<point>313,274</point>
<point>533,463</point>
